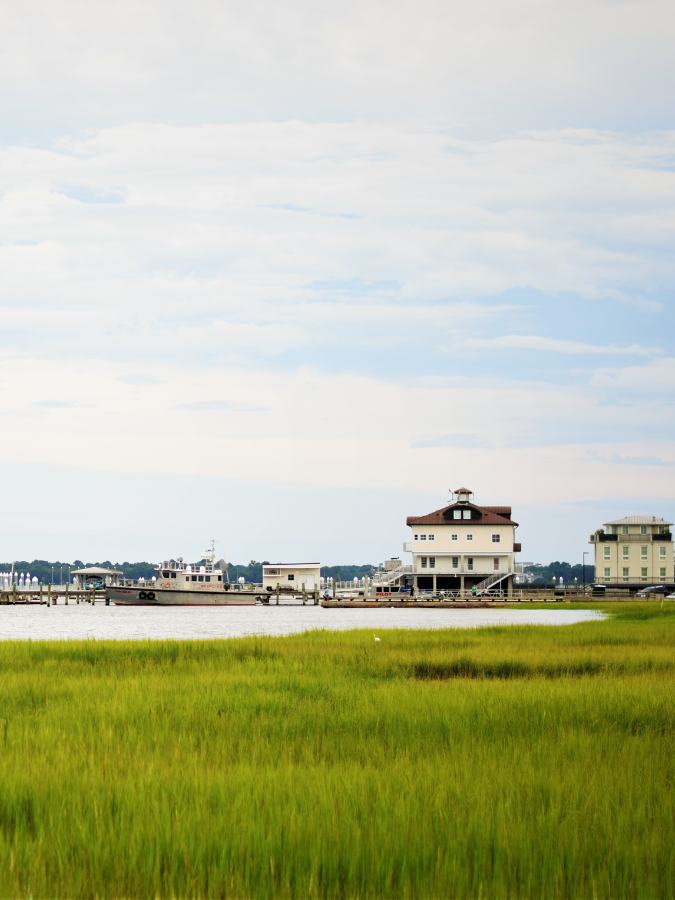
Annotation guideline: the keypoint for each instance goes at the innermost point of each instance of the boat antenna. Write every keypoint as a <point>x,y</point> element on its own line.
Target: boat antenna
<point>210,554</point>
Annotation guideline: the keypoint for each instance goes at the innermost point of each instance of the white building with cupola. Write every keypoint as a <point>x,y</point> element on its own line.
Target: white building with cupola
<point>464,545</point>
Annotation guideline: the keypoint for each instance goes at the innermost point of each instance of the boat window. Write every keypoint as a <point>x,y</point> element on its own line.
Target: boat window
<point>173,574</point>
<point>165,574</point>
<point>194,577</point>
<point>201,577</point>
<point>207,578</point>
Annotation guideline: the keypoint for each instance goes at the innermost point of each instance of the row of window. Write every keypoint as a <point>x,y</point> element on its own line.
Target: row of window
<point>429,562</point>
<point>644,572</point>
<point>203,577</point>
<point>643,529</point>
<point>644,552</point>
<point>193,577</point>
<point>496,538</point>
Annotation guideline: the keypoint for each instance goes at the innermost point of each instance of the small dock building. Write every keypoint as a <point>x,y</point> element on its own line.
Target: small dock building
<point>95,577</point>
<point>291,575</point>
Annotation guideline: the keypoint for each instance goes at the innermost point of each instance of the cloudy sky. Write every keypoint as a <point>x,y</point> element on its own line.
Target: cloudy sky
<point>283,274</point>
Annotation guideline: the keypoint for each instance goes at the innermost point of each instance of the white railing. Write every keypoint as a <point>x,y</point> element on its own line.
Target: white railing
<point>493,579</point>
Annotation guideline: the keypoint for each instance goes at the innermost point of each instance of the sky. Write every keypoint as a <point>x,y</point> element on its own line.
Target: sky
<point>281,275</point>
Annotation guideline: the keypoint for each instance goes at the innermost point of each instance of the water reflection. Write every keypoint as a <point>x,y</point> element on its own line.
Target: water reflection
<point>184,623</point>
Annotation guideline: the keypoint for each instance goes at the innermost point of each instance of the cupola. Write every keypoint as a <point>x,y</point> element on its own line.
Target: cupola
<point>462,495</point>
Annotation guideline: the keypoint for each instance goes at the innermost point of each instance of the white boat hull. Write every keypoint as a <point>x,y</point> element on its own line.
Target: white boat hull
<point>152,596</point>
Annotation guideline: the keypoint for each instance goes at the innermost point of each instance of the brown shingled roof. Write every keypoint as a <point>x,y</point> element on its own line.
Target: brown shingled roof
<point>490,515</point>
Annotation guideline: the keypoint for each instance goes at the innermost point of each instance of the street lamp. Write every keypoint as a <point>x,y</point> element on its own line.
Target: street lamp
<point>583,565</point>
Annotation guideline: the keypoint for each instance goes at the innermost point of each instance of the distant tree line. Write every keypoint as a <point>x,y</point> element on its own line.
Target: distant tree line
<point>556,570</point>
<point>57,572</point>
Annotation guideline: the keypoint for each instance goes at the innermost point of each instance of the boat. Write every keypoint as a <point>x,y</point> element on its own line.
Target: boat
<point>179,584</point>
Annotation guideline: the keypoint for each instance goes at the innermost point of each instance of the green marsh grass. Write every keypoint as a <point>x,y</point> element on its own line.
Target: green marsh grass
<point>491,763</point>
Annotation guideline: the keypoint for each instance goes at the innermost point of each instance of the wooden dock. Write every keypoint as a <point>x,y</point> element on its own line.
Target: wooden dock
<point>50,595</point>
<point>414,604</point>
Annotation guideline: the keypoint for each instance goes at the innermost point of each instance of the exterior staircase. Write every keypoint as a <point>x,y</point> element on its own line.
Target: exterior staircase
<point>491,581</point>
<point>392,576</point>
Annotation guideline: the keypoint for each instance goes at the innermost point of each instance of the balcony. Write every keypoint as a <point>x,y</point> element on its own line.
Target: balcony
<point>629,538</point>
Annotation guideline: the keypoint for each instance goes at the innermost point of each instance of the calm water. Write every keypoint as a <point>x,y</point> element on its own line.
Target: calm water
<point>142,622</point>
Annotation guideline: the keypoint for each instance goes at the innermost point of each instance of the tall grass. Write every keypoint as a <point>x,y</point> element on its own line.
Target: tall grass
<point>501,762</point>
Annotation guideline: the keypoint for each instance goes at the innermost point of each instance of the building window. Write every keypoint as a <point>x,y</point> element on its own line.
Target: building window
<point>466,514</point>
<point>643,553</point>
<point>625,550</point>
<point>291,577</point>
<point>416,537</point>
<point>469,537</point>
<point>496,564</point>
<point>272,571</point>
<point>454,537</point>
<point>432,537</point>
<point>643,529</point>
<point>663,573</point>
<point>423,537</point>
<point>662,552</point>
<point>644,572</point>
<point>469,563</point>
<point>626,573</point>
<point>607,573</point>
<point>432,562</point>
<point>624,529</point>
<point>496,538</point>
<point>457,514</point>
<point>423,562</point>
<point>455,562</point>
<point>614,529</point>
<point>607,552</point>
<point>662,529</point>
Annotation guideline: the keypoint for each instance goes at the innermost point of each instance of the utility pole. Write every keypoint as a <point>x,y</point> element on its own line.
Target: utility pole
<point>583,566</point>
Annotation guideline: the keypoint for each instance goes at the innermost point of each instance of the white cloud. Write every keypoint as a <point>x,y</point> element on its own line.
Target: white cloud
<point>254,224</point>
<point>553,345</point>
<point>658,377</point>
<point>479,61</point>
<point>313,428</point>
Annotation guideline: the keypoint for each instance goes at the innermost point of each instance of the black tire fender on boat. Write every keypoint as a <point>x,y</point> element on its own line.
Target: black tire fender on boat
<point>150,595</point>
<point>142,595</point>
